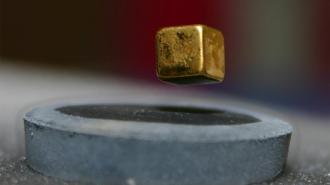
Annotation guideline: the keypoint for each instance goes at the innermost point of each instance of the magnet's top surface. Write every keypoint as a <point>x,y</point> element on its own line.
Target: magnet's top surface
<point>160,122</point>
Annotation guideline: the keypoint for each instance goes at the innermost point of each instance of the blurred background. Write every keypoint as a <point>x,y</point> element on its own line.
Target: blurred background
<point>277,51</point>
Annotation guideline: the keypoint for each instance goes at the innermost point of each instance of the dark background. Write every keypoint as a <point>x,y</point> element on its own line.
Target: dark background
<point>277,51</point>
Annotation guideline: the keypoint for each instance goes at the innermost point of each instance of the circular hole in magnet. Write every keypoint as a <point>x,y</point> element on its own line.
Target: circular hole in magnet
<point>159,114</point>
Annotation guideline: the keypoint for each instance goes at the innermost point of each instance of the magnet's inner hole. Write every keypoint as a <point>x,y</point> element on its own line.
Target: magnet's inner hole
<point>159,114</point>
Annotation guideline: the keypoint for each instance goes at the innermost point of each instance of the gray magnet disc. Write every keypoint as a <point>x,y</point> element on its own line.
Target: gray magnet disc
<point>153,144</point>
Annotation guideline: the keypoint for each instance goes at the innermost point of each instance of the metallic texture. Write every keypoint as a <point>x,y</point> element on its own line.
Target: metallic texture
<point>190,55</point>
<point>148,144</point>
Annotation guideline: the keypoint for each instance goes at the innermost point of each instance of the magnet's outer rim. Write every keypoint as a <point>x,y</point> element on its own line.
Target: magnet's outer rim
<point>128,152</point>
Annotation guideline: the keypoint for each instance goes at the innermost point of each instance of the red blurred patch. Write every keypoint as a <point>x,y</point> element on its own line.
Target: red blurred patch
<point>133,36</point>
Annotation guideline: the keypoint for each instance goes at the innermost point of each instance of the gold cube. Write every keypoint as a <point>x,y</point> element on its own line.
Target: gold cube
<point>192,54</point>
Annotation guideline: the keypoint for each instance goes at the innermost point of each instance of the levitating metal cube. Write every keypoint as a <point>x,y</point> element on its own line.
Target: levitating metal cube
<point>191,54</point>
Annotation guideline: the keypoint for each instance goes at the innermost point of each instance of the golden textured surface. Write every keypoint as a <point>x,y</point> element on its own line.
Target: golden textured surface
<point>190,55</point>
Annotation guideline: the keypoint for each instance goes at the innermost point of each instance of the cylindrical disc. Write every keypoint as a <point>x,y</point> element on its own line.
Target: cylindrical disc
<point>155,144</point>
